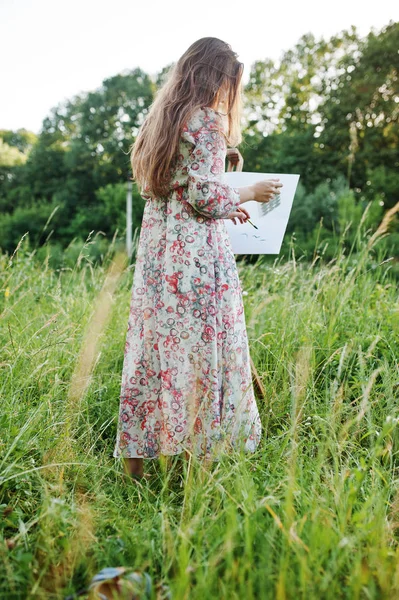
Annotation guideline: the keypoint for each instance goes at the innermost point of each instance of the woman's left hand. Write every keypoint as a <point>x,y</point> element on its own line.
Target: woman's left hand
<point>241,214</point>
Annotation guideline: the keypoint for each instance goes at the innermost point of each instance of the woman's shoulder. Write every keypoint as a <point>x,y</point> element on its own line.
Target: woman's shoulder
<point>204,118</point>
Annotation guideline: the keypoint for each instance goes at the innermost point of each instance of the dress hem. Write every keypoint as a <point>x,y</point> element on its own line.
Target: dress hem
<point>201,456</point>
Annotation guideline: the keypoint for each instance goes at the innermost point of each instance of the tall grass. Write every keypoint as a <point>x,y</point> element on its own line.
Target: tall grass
<point>314,513</point>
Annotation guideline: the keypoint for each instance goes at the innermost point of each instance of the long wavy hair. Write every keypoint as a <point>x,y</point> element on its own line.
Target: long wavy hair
<point>207,70</point>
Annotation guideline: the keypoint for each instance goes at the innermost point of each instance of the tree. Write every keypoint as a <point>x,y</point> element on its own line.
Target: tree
<point>360,114</point>
<point>83,147</point>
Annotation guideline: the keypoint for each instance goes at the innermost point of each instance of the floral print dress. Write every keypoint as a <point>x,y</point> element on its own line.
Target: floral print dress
<point>186,380</point>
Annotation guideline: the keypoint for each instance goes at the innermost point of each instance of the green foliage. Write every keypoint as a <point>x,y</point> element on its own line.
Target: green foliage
<point>327,109</point>
<point>313,514</point>
<point>83,149</point>
<point>383,181</point>
<point>22,139</point>
<point>360,116</point>
<point>111,201</point>
<point>316,509</point>
<point>10,155</point>
<point>318,220</point>
<point>309,208</point>
<point>36,220</point>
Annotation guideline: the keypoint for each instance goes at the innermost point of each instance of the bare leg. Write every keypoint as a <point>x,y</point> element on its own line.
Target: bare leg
<point>134,466</point>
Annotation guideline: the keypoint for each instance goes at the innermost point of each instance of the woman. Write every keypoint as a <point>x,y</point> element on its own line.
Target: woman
<point>186,381</point>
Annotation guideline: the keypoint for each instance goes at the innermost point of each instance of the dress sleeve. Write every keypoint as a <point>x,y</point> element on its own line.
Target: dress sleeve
<point>206,193</point>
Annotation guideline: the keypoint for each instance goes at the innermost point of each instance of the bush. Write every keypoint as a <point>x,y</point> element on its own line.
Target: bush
<point>38,220</point>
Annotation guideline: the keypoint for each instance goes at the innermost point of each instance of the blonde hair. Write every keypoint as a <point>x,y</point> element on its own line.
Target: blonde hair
<point>207,68</point>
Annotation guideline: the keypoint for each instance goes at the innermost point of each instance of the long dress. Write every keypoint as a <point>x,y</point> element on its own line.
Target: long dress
<point>186,379</point>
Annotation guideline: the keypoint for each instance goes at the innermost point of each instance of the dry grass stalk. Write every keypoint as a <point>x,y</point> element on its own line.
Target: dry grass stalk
<point>383,226</point>
<point>89,352</point>
<point>88,356</point>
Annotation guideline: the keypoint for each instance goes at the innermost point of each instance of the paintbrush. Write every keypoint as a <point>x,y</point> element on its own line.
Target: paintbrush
<point>249,221</point>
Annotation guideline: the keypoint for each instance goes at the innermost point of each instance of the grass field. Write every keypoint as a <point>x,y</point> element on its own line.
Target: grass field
<point>313,514</point>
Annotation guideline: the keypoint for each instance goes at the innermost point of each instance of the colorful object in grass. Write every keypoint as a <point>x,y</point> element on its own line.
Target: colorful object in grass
<point>121,583</point>
<point>118,582</point>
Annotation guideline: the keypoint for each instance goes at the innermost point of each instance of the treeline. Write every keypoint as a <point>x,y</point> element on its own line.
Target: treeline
<point>328,109</point>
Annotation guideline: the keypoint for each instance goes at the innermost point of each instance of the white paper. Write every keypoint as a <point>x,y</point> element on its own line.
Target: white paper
<point>271,218</point>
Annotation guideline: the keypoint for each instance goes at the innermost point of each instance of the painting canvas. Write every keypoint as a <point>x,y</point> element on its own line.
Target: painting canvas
<point>271,218</point>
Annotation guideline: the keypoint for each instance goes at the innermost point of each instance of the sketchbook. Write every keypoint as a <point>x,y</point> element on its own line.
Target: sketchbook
<point>271,218</point>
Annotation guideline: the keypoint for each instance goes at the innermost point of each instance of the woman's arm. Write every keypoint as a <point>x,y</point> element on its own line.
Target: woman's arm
<point>246,193</point>
<point>262,191</point>
<point>206,193</point>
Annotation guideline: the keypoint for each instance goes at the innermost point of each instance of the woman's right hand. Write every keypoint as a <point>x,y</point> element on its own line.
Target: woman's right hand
<point>265,190</point>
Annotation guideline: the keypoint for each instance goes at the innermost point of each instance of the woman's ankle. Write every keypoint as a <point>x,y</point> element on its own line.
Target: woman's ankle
<point>134,466</point>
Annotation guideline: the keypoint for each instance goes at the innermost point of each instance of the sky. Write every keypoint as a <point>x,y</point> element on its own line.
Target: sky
<point>51,50</point>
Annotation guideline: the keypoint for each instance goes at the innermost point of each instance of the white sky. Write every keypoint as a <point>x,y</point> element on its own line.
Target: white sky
<point>53,49</point>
